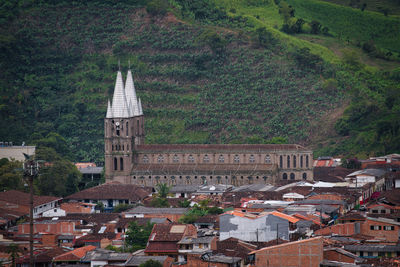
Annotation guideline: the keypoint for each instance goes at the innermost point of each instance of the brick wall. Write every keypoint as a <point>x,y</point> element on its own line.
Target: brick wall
<point>346,229</point>
<point>381,230</point>
<point>51,228</point>
<point>333,255</point>
<point>307,252</point>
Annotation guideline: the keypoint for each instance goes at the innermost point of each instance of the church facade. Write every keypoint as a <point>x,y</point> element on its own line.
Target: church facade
<point>129,160</point>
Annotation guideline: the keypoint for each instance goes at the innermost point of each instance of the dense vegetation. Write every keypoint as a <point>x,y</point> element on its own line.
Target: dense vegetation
<point>206,71</point>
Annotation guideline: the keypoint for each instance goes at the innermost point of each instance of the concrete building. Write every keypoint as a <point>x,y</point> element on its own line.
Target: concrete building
<point>130,161</point>
<point>255,228</point>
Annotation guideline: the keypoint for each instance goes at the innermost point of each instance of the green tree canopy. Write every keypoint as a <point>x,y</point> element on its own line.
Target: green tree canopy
<point>137,235</point>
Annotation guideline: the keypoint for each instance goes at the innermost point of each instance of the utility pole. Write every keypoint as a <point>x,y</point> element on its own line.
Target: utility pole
<point>31,170</point>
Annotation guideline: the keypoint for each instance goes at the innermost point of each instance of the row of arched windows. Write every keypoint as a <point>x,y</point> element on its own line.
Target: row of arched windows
<point>119,127</point>
<point>121,164</point>
<point>293,176</point>
<point>206,159</point>
<point>218,178</point>
<point>119,147</point>
<point>294,158</point>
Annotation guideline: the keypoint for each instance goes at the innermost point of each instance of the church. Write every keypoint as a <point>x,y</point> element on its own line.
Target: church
<point>129,160</point>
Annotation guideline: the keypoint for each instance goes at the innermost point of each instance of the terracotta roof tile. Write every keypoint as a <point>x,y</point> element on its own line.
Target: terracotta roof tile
<point>113,190</point>
<point>219,147</point>
<point>74,255</point>
<point>21,198</point>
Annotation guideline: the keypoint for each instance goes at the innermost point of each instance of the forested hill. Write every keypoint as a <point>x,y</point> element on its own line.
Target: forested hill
<point>207,71</point>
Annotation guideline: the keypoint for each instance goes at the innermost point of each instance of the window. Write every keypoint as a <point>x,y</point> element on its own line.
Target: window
<point>307,161</point>
<point>115,164</point>
<point>160,159</point>
<point>280,162</point>
<point>137,127</point>
<point>294,162</point>
<point>206,158</point>
<point>145,159</point>
<point>221,159</point>
<point>371,227</point>
<point>127,129</point>
<point>252,159</point>
<point>383,211</point>
<point>175,158</point>
<point>304,176</point>
<point>267,159</point>
<point>370,254</point>
<point>236,159</point>
<point>292,176</point>
<point>121,164</point>
<point>191,159</point>
<point>374,211</point>
<point>388,228</point>
<point>301,161</point>
<point>288,162</point>
<point>284,176</point>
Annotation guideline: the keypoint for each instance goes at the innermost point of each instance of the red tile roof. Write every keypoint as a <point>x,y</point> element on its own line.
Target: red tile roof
<point>113,190</point>
<point>74,255</point>
<point>23,199</point>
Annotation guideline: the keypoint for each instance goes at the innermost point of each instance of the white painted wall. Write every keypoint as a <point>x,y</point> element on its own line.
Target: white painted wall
<point>56,212</point>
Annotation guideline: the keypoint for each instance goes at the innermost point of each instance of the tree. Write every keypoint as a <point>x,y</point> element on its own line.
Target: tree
<point>151,263</point>
<point>11,175</point>
<point>137,236</point>
<point>157,7</point>
<point>211,38</point>
<point>315,27</point>
<point>305,58</point>
<point>161,199</point>
<point>264,38</point>
<point>13,250</point>
<point>122,207</point>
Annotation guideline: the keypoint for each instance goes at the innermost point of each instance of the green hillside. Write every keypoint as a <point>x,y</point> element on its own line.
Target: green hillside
<point>207,72</point>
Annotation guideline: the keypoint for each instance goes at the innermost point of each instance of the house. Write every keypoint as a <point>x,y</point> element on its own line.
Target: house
<point>209,259</point>
<point>14,200</point>
<point>250,227</point>
<point>362,177</point>
<point>351,217</point>
<point>78,207</point>
<point>195,245</point>
<point>183,191</point>
<point>111,194</point>
<point>73,256</point>
<point>382,208</point>
<point>308,252</point>
<point>101,257</point>
<point>9,218</point>
<point>9,151</point>
<point>382,229</point>
<point>292,197</point>
<point>216,189</point>
<point>52,227</point>
<point>336,254</point>
<point>374,250</point>
<point>172,214</point>
<point>137,260</point>
<point>164,238</point>
<point>43,257</point>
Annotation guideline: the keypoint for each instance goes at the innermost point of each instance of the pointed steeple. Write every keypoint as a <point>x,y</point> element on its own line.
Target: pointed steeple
<point>109,110</point>
<point>119,103</point>
<point>131,94</point>
<point>140,107</point>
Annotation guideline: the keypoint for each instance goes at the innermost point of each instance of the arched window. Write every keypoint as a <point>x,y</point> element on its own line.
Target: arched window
<point>288,162</point>
<point>304,176</point>
<point>191,159</point>
<point>284,176</point>
<point>106,130</point>
<point>204,179</point>
<point>112,147</point>
<point>127,129</point>
<point>137,127</point>
<point>121,164</point>
<point>265,178</point>
<point>145,159</point>
<point>267,159</point>
<point>115,164</point>
<point>236,159</point>
<point>206,159</point>
<point>294,162</point>
<point>306,161</point>
<point>117,128</point>
<point>280,162</point>
<point>175,158</point>
<point>127,147</point>
<point>292,176</point>
<point>218,179</point>
<point>123,148</point>
<point>160,159</point>
<point>221,159</point>
<point>252,159</point>
<point>301,161</point>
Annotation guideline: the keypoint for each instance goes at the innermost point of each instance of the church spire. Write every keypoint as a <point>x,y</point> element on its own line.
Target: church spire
<point>131,95</point>
<point>140,110</point>
<point>119,102</point>
<point>109,110</point>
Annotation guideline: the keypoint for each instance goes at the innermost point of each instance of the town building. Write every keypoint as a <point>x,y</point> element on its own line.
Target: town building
<point>129,160</point>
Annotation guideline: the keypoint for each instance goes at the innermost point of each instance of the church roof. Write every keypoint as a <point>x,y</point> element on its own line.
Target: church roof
<point>124,102</point>
<point>218,148</point>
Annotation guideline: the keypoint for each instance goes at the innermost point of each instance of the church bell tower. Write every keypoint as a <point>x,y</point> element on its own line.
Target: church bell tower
<point>123,129</point>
